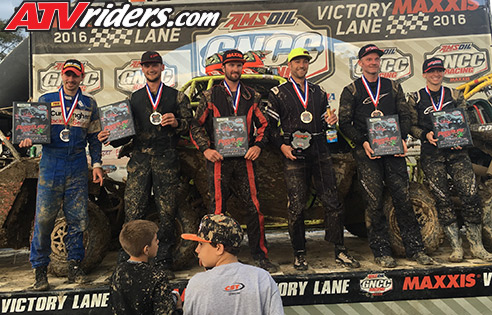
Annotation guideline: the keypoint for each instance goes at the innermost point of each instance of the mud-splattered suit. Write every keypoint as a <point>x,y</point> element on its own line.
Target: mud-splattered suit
<point>315,166</point>
<point>63,177</point>
<point>389,171</point>
<point>438,163</point>
<point>138,288</point>
<point>238,172</point>
<point>154,164</point>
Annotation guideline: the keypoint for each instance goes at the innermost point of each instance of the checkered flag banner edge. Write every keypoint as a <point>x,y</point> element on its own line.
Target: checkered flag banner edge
<point>108,37</point>
<point>405,23</point>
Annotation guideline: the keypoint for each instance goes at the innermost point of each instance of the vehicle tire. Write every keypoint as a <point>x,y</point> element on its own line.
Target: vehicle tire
<point>425,211</point>
<point>96,242</point>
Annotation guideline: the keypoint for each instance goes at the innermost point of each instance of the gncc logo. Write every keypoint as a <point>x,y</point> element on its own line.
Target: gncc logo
<point>463,61</point>
<point>376,284</point>
<point>271,32</point>
<point>395,65</point>
<point>130,77</point>
<point>50,78</point>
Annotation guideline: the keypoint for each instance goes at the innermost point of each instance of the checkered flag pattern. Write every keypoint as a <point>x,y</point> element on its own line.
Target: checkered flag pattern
<point>108,37</point>
<point>406,23</point>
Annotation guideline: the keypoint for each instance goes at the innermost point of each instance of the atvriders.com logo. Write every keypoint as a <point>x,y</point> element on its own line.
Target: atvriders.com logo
<point>42,16</point>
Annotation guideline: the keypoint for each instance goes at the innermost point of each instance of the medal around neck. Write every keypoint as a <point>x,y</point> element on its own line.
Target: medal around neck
<point>306,117</point>
<point>155,118</point>
<point>65,135</point>
<point>377,113</point>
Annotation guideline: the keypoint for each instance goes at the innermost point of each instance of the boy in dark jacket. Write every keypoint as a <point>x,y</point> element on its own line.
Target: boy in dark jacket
<point>136,287</point>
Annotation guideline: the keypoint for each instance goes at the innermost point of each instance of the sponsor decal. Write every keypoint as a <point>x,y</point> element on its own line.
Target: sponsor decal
<point>249,20</point>
<point>414,6</point>
<point>277,41</point>
<point>80,118</point>
<point>234,288</point>
<point>456,281</point>
<point>463,61</point>
<point>43,16</point>
<point>130,77</point>
<point>376,284</point>
<point>50,78</point>
<point>395,65</point>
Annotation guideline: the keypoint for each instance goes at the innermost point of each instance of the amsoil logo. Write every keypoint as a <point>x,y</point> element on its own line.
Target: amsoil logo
<point>42,16</point>
<point>456,281</point>
<point>376,284</point>
<point>50,78</point>
<point>130,77</point>
<point>463,61</point>
<point>395,65</point>
<point>248,20</point>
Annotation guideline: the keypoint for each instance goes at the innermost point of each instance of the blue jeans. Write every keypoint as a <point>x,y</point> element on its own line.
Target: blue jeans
<point>62,184</point>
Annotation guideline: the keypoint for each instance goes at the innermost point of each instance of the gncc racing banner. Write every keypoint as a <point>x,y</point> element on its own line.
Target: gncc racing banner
<point>110,38</point>
<point>342,287</point>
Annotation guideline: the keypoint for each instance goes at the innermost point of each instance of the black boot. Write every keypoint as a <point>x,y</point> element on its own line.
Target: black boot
<point>75,272</point>
<point>41,276</point>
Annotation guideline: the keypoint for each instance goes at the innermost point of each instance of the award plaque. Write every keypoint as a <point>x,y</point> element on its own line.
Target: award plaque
<point>117,118</point>
<point>31,120</point>
<point>231,136</point>
<point>451,128</point>
<point>385,135</point>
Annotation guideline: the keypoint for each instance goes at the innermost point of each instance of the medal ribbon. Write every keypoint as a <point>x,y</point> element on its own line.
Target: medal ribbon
<point>437,107</point>
<point>374,98</point>
<point>304,100</point>
<point>66,118</point>
<point>155,102</point>
<point>235,102</point>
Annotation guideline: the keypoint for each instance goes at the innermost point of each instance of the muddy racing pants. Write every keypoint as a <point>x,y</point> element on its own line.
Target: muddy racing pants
<point>391,172</point>
<point>238,173</point>
<point>62,183</point>
<point>160,174</point>
<point>437,165</point>
<point>318,169</point>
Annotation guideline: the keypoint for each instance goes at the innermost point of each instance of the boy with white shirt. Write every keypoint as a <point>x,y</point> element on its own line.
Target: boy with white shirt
<point>227,284</point>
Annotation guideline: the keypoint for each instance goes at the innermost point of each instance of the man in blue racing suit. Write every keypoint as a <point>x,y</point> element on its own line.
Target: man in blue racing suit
<point>63,173</point>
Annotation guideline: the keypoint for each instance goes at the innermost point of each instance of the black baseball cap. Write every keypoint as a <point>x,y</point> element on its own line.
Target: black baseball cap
<point>433,63</point>
<point>151,57</point>
<point>73,65</point>
<point>218,229</point>
<point>371,48</point>
<point>232,55</point>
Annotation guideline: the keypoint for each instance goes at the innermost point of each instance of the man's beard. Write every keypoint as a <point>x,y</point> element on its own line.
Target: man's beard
<point>230,78</point>
<point>157,78</point>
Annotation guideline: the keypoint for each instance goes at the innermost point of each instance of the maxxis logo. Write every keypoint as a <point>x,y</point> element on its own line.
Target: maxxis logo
<point>45,15</point>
